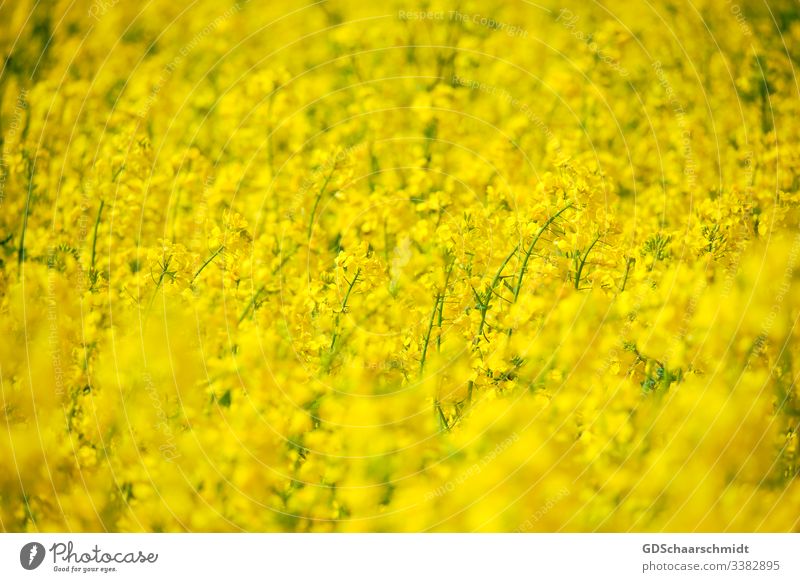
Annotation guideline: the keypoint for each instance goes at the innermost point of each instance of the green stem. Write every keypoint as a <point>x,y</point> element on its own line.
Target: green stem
<point>628,264</point>
<point>204,265</point>
<point>94,239</point>
<point>164,271</point>
<point>439,323</point>
<point>485,303</point>
<point>583,262</point>
<point>442,417</point>
<point>449,271</point>
<point>344,306</point>
<point>251,304</point>
<point>254,300</point>
<point>531,247</point>
<point>21,251</point>
<point>320,194</point>
<point>428,334</point>
<point>117,173</point>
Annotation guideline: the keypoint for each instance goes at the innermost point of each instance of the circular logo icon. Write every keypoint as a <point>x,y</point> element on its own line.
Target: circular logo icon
<point>31,555</point>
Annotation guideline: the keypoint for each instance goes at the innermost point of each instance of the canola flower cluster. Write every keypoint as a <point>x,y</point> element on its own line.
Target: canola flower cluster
<point>283,267</point>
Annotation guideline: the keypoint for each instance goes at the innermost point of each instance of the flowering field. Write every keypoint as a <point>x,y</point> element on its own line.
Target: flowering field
<point>463,266</point>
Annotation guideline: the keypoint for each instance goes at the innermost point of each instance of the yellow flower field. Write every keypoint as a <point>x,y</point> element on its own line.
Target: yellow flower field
<point>352,266</point>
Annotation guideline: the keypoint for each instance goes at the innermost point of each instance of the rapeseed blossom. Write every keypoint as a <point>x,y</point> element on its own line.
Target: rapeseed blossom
<point>476,266</point>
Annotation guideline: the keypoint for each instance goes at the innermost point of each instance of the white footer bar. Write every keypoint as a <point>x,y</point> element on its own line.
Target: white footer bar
<point>401,557</point>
